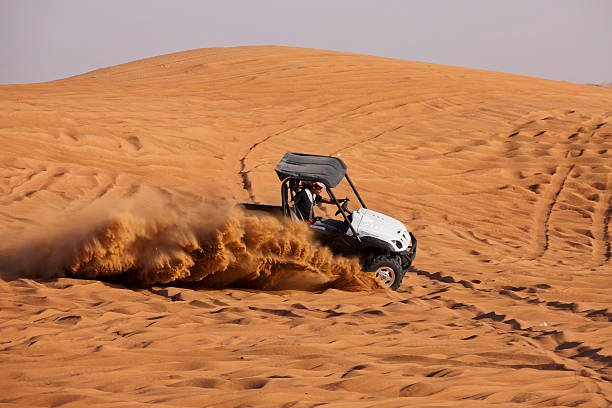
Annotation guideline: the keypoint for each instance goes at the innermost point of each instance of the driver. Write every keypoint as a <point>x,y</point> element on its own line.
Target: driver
<point>305,200</point>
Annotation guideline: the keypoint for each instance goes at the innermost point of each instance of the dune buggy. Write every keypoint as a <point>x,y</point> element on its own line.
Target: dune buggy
<point>383,244</point>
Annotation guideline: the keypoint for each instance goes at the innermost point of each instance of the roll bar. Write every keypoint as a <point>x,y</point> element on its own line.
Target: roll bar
<point>355,190</point>
<point>288,190</point>
<point>350,224</point>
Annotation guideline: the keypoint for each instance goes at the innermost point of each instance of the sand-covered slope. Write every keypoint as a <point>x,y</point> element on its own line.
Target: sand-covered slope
<point>505,180</point>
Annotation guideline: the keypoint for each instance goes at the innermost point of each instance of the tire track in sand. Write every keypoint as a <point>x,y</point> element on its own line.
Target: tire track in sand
<point>547,203</point>
<point>601,225</point>
<point>244,173</point>
<point>566,173</point>
<point>546,206</point>
<point>369,139</point>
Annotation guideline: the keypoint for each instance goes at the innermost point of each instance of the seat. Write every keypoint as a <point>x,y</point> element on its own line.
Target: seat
<point>332,225</point>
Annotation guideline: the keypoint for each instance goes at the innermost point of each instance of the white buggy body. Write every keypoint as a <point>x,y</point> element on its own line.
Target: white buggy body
<point>370,223</point>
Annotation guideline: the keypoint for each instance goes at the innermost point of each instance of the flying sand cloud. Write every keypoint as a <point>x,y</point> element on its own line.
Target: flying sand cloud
<point>157,243</point>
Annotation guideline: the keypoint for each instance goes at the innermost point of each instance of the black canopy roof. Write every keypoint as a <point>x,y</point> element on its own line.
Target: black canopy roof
<point>326,169</point>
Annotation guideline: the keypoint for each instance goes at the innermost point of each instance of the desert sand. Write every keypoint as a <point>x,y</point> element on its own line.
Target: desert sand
<point>505,180</point>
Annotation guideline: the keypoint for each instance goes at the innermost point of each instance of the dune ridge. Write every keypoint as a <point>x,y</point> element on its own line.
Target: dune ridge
<point>504,179</point>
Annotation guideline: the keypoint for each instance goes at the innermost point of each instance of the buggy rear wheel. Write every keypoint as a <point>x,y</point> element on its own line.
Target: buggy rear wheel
<point>387,271</point>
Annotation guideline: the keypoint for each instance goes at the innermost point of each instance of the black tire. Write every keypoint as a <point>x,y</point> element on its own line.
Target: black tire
<point>387,269</point>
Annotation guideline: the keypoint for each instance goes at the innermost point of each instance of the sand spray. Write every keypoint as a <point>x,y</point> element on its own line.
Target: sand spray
<point>148,241</point>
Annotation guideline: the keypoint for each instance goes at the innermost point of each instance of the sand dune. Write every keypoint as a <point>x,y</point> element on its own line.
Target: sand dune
<point>129,171</point>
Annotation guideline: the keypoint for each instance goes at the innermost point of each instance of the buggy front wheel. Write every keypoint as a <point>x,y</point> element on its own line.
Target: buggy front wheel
<point>387,271</point>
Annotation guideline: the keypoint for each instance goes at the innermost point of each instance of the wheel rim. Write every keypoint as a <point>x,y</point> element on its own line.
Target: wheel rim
<point>385,275</point>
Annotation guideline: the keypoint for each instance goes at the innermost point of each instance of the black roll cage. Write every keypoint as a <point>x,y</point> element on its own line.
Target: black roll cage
<point>290,187</point>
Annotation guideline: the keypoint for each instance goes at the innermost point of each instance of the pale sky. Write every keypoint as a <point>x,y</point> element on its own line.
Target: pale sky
<point>42,40</point>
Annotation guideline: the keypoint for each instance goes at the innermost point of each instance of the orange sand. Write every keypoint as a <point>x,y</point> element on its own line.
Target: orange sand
<point>505,180</point>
